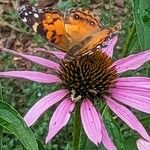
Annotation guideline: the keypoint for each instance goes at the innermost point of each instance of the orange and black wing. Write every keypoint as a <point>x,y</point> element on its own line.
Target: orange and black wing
<point>47,22</point>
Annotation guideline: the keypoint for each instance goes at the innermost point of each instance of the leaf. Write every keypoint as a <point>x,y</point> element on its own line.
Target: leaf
<point>129,39</point>
<point>132,42</point>
<point>145,121</point>
<point>114,131</point>
<point>142,19</point>
<point>11,120</point>
<point>68,147</point>
<point>130,142</point>
<point>134,45</point>
<point>64,5</point>
<point>40,144</point>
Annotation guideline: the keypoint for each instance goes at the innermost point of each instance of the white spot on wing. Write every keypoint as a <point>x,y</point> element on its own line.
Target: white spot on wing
<point>24,19</point>
<point>26,14</point>
<point>21,9</point>
<point>98,47</point>
<point>36,15</point>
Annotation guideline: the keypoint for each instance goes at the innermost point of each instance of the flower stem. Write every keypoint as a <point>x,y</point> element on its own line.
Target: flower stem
<point>1,128</point>
<point>128,40</point>
<point>76,127</point>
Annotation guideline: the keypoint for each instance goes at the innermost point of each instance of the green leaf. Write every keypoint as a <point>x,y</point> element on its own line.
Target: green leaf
<point>40,144</point>
<point>132,42</point>
<point>11,120</point>
<point>114,131</point>
<point>134,45</point>
<point>65,5</point>
<point>68,147</point>
<point>130,143</point>
<point>145,121</point>
<point>142,20</point>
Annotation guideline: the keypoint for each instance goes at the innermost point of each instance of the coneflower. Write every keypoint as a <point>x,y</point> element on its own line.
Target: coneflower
<point>84,79</point>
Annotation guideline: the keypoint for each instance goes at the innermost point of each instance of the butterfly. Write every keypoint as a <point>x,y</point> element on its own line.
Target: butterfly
<point>76,32</point>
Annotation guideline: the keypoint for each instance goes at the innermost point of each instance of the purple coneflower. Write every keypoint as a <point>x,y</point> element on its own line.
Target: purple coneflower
<point>85,79</point>
<point>143,144</point>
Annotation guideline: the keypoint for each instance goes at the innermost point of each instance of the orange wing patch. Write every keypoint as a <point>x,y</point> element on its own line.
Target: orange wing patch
<point>80,23</point>
<point>54,26</point>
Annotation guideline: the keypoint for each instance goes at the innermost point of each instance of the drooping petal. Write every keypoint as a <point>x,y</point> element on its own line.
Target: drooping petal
<point>128,117</point>
<point>132,62</point>
<point>31,75</point>
<point>137,82</point>
<point>136,98</point>
<point>60,118</point>
<point>58,54</point>
<point>106,140</point>
<point>39,60</point>
<point>42,105</point>
<point>143,145</point>
<point>110,46</point>
<point>91,122</point>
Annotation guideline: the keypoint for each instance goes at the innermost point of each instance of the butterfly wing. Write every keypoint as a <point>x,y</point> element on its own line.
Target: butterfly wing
<point>97,39</point>
<point>47,22</point>
<point>86,31</point>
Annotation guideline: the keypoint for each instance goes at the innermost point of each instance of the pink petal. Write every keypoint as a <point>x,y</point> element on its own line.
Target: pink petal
<point>42,105</point>
<point>106,140</point>
<point>137,82</point>
<point>60,118</point>
<point>111,44</point>
<point>91,122</point>
<point>58,54</point>
<point>39,60</point>
<point>138,99</point>
<point>143,145</point>
<point>132,62</point>
<point>31,75</point>
<point>128,117</point>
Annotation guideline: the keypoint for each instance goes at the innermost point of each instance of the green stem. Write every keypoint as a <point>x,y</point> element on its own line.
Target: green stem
<point>104,110</point>
<point>76,127</point>
<point>129,39</point>
<point>1,128</point>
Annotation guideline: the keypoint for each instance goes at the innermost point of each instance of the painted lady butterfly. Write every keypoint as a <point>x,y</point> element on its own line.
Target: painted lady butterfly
<point>76,32</point>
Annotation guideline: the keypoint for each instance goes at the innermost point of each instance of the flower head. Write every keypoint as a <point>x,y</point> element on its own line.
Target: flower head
<point>88,76</point>
<point>85,78</point>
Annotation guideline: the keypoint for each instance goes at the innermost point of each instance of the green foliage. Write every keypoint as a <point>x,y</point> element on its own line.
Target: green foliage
<point>142,19</point>
<point>114,131</point>
<point>40,144</point>
<point>11,120</point>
